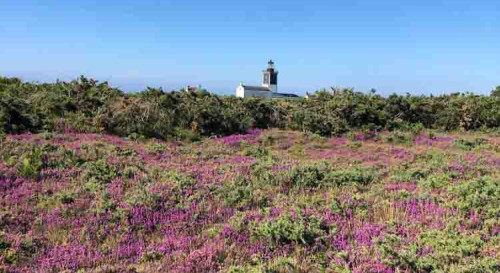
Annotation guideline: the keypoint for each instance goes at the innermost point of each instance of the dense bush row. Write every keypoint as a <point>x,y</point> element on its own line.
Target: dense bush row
<point>84,105</point>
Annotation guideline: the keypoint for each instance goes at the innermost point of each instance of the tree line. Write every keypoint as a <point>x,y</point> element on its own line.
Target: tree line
<point>87,106</point>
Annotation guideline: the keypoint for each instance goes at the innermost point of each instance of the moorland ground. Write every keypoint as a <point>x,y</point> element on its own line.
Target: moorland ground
<point>265,201</point>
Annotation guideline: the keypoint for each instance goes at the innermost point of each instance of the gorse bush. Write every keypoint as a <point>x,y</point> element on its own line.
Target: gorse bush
<point>31,164</point>
<point>409,175</point>
<point>279,265</point>
<point>479,194</point>
<point>99,172</point>
<point>288,229</point>
<point>435,181</point>
<point>322,175</point>
<point>468,144</point>
<point>239,191</point>
<point>399,137</point>
<point>87,106</point>
<point>446,252</point>
<point>256,151</point>
<point>308,176</point>
<point>359,176</point>
<point>351,206</point>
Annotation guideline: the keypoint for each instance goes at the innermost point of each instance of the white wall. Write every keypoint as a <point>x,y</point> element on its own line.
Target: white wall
<point>273,87</point>
<point>240,92</point>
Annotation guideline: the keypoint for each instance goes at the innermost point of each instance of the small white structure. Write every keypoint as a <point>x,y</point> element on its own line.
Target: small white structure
<point>269,88</point>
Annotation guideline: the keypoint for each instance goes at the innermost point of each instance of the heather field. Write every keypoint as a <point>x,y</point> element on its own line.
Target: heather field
<point>265,201</point>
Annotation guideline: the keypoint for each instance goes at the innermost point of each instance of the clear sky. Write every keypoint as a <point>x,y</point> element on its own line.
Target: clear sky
<point>421,47</point>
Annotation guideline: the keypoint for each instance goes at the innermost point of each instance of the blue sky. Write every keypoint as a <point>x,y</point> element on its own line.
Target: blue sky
<point>421,47</point>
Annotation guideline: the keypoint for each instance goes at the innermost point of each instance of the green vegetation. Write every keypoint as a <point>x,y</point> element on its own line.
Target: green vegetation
<point>96,180</point>
<point>251,203</point>
<point>86,106</point>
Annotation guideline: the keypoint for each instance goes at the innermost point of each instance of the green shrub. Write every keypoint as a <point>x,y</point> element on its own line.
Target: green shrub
<point>409,175</point>
<point>5,251</point>
<point>104,203</point>
<point>278,265</point>
<point>308,176</point>
<point>130,172</point>
<point>151,256</point>
<point>317,122</point>
<point>181,181</point>
<point>256,151</point>
<point>10,256</point>
<point>99,173</point>
<point>143,197</point>
<point>271,138</point>
<point>323,176</point>
<point>454,252</point>
<point>156,148</point>
<point>435,181</point>
<point>237,269</point>
<point>136,136</point>
<point>65,159</point>
<point>470,144</point>
<point>479,194</point>
<point>343,207</point>
<point>85,105</point>
<point>262,174</point>
<point>399,125</point>
<point>236,192</point>
<point>66,197</point>
<point>297,150</point>
<point>286,229</point>
<point>31,164</point>
<point>315,138</point>
<point>359,176</point>
<point>398,137</point>
<point>449,251</point>
<point>282,265</point>
<point>47,135</point>
<point>186,135</point>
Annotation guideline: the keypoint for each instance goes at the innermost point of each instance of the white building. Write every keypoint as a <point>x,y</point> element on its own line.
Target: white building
<point>269,88</point>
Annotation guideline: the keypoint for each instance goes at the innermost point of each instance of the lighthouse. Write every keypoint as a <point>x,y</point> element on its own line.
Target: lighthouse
<point>270,77</point>
<point>269,88</point>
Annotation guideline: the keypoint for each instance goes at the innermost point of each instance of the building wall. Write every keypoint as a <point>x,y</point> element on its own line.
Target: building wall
<point>273,87</point>
<point>242,93</point>
<point>265,94</point>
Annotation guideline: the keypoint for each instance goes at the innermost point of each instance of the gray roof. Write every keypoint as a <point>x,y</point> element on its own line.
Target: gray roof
<point>256,88</point>
<point>286,95</point>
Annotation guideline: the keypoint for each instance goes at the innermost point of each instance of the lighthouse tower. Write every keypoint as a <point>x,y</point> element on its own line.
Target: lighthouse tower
<point>270,79</point>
